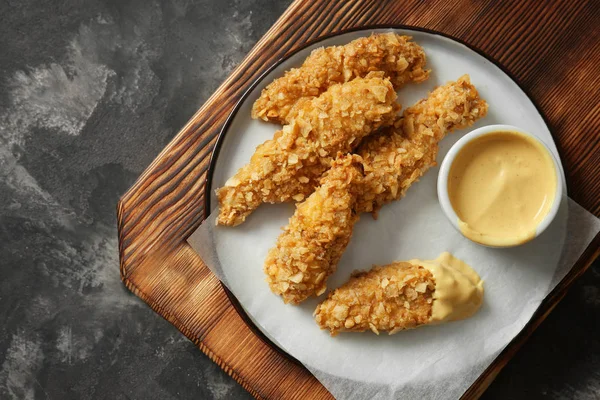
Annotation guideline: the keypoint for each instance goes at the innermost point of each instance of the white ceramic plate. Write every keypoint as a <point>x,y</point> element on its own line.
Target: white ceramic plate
<point>242,250</point>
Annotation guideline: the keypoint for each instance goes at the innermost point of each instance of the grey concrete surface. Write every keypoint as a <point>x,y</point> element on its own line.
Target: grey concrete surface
<point>90,92</point>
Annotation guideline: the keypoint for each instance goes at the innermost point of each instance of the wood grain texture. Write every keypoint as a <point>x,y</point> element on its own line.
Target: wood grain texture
<point>552,48</point>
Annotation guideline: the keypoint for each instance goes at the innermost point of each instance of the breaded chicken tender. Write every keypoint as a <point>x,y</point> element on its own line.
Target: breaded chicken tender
<point>403,295</point>
<point>389,298</point>
<point>397,157</point>
<point>289,166</point>
<point>400,59</point>
<point>312,243</point>
<point>389,165</point>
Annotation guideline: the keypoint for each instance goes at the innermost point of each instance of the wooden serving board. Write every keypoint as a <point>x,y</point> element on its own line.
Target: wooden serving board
<point>552,50</point>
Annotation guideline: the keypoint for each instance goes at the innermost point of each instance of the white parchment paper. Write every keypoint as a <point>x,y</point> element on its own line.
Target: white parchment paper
<point>435,362</point>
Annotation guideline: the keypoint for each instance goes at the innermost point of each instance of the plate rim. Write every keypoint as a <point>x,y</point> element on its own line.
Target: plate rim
<point>234,111</point>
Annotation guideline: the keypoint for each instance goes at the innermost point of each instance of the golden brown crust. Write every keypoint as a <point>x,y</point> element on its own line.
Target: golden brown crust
<point>385,168</point>
<point>400,59</point>
<point>289,166</point>
<point>388,298</point>
<point>309,248</point>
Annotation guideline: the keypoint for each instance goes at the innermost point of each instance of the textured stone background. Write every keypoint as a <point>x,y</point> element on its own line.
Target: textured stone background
<point>90,92</point>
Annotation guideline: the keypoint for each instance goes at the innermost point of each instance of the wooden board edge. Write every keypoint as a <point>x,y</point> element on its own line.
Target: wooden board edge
<point>121,240</point>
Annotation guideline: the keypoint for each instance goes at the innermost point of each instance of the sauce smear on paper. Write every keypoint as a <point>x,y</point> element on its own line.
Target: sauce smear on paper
<point>458,288</point>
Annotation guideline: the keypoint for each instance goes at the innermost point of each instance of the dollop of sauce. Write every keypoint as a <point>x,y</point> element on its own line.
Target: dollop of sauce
<point>501,186</point>
<point>458,288</point>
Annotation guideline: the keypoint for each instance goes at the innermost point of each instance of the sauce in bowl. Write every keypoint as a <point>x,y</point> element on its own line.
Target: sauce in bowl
<point>501,185</point>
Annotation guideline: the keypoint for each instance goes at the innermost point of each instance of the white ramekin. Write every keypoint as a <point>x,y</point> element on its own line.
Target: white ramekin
<point>442,183</point>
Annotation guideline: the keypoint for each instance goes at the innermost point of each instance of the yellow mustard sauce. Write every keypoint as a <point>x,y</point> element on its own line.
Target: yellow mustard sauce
<point>501,186</point>
<point>458,288</point>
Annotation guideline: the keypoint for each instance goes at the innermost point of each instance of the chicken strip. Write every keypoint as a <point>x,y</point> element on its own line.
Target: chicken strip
<point>402,295</point>
<point>400,59</point>
<point>311,245</point>
<point>289,166</point>
<point>397,157</point>
<point>389,298</point>
<point>389,164</point>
